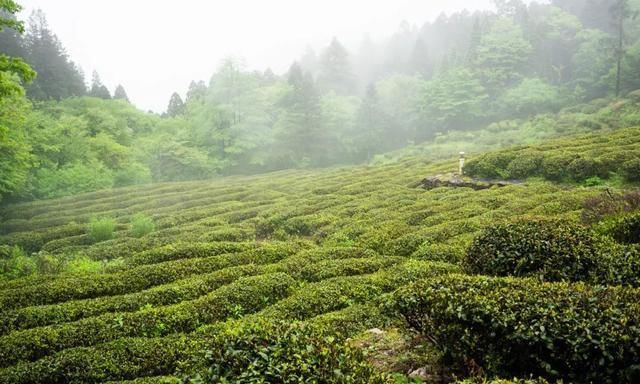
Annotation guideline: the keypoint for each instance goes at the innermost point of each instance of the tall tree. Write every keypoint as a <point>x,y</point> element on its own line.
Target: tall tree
<point>300,138</point>
<point>58,77</point>
<point>371,122</point>
<point>11,43</point>
<point>120,93</point>
<point>14,151</point>
<point>454,100</point>
<point>620,12</point>
<point>502,55</point>
<point>176,105</point>
<point>335,70</point>
<point>420,60</point>
<point>98,89</point>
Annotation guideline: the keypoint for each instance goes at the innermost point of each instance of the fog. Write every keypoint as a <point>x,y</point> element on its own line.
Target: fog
<point>154,48</point>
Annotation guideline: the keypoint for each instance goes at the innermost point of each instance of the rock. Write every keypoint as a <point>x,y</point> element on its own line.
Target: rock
<point>455,181</point>
<point>376,331</point>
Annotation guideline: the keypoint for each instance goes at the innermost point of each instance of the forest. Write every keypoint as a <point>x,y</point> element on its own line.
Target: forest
<point>321,225</point>
<point>460,72</point>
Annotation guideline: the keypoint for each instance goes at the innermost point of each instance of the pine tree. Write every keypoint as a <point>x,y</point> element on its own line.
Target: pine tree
<point>58,77</point>
<point>371,122</point>
<point>176,105</point>
<point>335,70</point>
<point>420,61</point>
<point>196,90</point>
<point>98,89</point>
<point>300,137</point>
<point>11,39</point>
<point>120,93</point>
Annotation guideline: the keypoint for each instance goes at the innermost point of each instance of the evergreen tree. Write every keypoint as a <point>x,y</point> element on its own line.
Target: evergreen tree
<point>58,77</point>
<point>98,89</point>
<point>335,70</point>
<point>120,93</point>
<point>371,122</point>
<point>11,43</point>
<point>502,55</point>
<point>620,12</point>
<point>176,105</point>
<point>420,61</point>
<point>197,90</point>
<point>300,137</point>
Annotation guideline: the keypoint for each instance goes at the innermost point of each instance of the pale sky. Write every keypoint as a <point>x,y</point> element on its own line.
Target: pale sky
<point>156,47</point>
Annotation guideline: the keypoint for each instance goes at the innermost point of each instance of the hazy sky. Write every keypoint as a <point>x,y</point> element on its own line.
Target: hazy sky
<point>156,47</point>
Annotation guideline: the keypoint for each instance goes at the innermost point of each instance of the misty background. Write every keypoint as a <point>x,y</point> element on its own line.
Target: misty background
<point>129,94</point>
<point>128,42</point>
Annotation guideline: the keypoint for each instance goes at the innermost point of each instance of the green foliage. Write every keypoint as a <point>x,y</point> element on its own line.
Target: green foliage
<point>141,225</point>
<point>101,229</point>
<point>281,352</point>
<point>531,97</point>
<point>622,228</point>
<point>73,178</point>
<point>550,250</point>
<point>522,327</point>
<point>454,99</point>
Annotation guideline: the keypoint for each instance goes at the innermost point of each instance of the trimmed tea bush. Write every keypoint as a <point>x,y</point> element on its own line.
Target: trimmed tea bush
<point>279,352</point>
<point>523,327</point>
<point>624,229</point>
<point>551,250</point>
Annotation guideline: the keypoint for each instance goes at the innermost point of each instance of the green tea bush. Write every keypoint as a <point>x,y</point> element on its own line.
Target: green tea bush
<point>183,290</point>
<point>526,164</point>
<point>246,295</point>
<point>523,327</point>
<point>551,250</point>
<point>631,170</point>
<point>623,228</point>
<point>142,225</point>
<point>597,208</point>
<point>101,229</point>
<point>138,278</point>
<point>279,352</point>
<point>491,165</point>
<point>582,168</point>
<point>123,359</point>
<point>447,253</point>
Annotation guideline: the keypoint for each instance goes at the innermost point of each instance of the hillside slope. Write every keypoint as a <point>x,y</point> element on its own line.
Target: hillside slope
<point>317,246</point>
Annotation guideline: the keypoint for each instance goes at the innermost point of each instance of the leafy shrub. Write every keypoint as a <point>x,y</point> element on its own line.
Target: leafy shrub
<point>523,327</point>
<point>71,179</point>
<point>597,208</point>
<point>622,228</point>
<point>526,164</point>
<point>283,353</point>
<point>101,229</point>
<point>246,295</point>
<point>490,165</point>
<point>551,250</point>
<point>440,252</point>
<point>14,263</point>
<point>555,167</point>
<point>142,225</point>
<point>121,359</point>
<point>138,278</point>
<point>631,170</point>
<point>73,310</point>
<point>582,168</point>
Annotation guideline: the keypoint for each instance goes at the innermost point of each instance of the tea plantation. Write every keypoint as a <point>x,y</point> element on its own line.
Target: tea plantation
<point>275,278</point>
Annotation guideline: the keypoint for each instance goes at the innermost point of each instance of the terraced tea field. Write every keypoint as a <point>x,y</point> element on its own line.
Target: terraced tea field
<point>321,247</point>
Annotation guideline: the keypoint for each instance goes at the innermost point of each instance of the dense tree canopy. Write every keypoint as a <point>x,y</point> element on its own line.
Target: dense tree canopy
<point>459,72</point>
